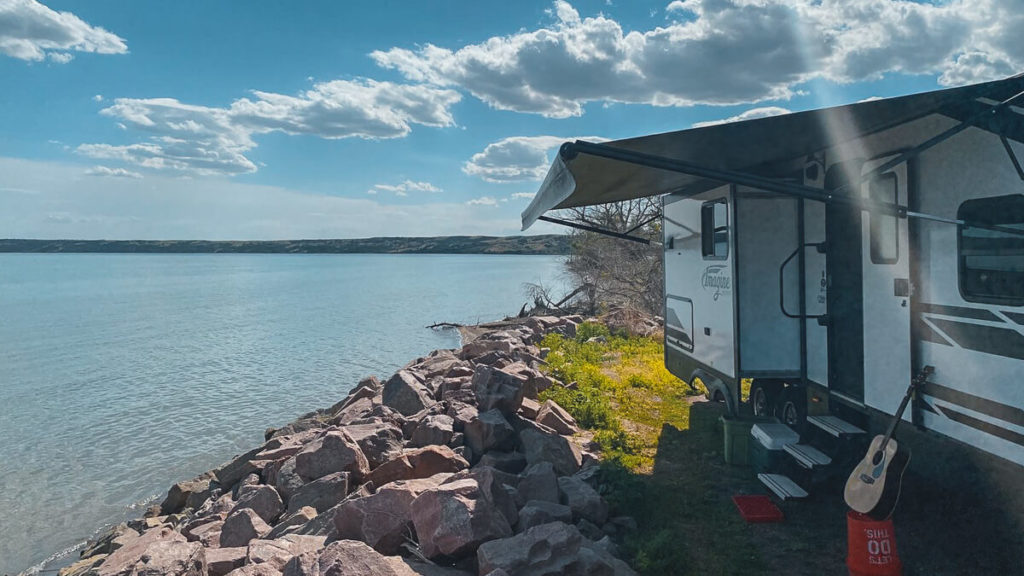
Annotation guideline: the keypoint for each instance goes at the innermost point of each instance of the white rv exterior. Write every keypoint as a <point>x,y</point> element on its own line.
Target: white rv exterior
<point>832,305</point>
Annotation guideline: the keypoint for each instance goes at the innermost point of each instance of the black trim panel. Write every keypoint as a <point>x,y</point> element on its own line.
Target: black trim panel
<point>995,340</point>
<point>987,427</point>
<point>1015,316</point>
<point>960,312</point>
<point>928,334</point>
<point>1005,412</point>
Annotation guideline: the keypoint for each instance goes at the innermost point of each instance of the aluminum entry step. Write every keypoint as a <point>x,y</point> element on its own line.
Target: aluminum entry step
<point>782,486</point>
<point>834,425</point>
<point>807,456</point>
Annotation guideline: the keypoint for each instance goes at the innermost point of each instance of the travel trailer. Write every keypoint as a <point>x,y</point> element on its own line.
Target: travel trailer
<point>830,256</point>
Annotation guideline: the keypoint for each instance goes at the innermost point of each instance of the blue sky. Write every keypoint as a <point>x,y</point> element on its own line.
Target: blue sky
<point>265,120</point>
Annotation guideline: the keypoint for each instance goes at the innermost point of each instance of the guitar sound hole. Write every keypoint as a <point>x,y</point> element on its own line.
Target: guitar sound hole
<point>877,458</point>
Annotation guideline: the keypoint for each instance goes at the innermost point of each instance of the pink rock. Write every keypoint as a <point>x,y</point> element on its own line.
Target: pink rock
<point>419,463</point>
<point>335,451</point>
<point>122,561</point>
<point>172,557</point>
<point>497,389</point>
<point>383,518</point>
<point>406,394</point>
<point>344,558</point>
<point>241,527</point>
<point>261,499</point>
<point>554,548</point>
<point>455,518</point>
<point>555,417</point>
<point>220,561</point>
<point>276,553</point>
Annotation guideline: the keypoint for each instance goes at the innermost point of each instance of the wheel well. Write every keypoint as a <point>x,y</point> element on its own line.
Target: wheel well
<point>716,390</point>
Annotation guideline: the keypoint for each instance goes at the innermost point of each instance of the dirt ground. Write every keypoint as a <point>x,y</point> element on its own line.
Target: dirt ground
<point>939,531</point>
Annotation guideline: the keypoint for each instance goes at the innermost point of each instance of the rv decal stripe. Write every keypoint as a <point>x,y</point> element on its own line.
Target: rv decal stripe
<point>960,312</point>
<point>988,339</point>
<point>926,332</point>
<point>988,428</point>
<point>1015,316</point>
<point>1004,412</point>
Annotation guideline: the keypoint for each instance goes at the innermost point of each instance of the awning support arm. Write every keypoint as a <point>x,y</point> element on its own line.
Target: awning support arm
<point>1013,156</point>
<point>644,223</point>
<point>569,150</point>
<point>938,139</point>
<point>579,226</point>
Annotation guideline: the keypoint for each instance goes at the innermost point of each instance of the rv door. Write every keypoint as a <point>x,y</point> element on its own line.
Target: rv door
<point>887,292</point>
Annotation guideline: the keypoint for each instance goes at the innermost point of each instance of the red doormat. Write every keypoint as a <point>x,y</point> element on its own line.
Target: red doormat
<point>757,508</point>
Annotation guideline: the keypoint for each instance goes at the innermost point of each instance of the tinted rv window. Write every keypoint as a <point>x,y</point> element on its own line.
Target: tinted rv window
<point>679,322</point>
<point>714,230</point>
<point>885,247</point>
<point>992,261</point>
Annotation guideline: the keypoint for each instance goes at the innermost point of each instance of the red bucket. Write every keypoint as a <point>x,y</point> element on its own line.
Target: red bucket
<point>871,546</point>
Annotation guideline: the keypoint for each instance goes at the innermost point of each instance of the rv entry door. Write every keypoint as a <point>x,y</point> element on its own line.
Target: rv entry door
<point>887,292</point>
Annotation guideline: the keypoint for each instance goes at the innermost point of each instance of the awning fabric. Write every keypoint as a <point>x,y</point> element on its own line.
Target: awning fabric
<point>585,180</point>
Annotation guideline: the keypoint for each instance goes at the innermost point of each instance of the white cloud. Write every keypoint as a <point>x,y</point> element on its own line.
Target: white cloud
<point>517,158</point>
<point>31,31</point>
<point>203,140</point>
<point>64,203</point>
<point>723,52</point>
<point>483,201</point>
<point>523,195</point>
<point>751,114</point>
<point>404,188</point>
<point>112,172</point>
<point>97,98</point>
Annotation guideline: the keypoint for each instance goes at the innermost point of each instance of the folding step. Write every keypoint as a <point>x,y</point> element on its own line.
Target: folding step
<point>782,486</point>
<point>807,456</point>
<point>834,425</point>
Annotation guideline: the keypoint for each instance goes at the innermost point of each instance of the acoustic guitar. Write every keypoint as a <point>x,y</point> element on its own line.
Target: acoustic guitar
<point>873,487</point>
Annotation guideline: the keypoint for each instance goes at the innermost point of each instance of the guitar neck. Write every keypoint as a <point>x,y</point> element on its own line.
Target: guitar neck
<point>914,383</point>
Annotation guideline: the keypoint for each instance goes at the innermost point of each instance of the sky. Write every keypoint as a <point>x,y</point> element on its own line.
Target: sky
<point>249,120</point>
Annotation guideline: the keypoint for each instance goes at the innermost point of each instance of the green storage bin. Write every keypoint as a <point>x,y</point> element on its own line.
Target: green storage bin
<point>737,437</point>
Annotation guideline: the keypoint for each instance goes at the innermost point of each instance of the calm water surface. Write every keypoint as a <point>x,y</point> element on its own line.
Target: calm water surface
<point>123,373</point>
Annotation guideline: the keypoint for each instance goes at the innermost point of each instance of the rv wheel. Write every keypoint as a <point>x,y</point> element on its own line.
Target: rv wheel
<point>793,408</point>
<point>762,397</point>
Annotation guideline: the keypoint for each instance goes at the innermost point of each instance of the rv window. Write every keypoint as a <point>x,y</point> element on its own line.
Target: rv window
<point>714,230</point>
<point>679,322</point>
<point>885,248</point>
<point>991,261</point>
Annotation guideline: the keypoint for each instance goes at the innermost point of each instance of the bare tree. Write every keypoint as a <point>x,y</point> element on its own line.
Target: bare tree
<point>612,270</point>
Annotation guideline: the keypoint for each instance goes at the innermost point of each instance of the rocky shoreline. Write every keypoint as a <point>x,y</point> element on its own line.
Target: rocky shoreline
<point>450,467</point>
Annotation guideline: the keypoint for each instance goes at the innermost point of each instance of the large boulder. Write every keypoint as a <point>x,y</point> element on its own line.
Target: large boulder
<point>229,474</point>
<point>497,486</point>
<point>255,570</point>
<point>434,430</point>
<point>359,409</point>
<point>497,389</point>
<point>122,561</point>
<point>462,413</point>
<point>489,430</point>
<point>203,529</point>
<point>278,552</point>
<point>220,561</point>
<point>261,499</point>
<point>563,455</point>
<point>584,501</point>
<point>113,539</point>
<point>539,482</point>
<point>406,394</point>
<point>286,480</point>
<point>189,494</point>
<point>241,527</point>
<point>455,518</point>
<point>537,512</point>
<point>383,518</point>
<point>555,417</point>
<point>554,549</point>
<point>167,558</point>
<point>292,522</point>
<point>379,440</point>
<point>420,463</point>
<point>511,462</point>
<point>366,388</point>
<point>335,451</point>
<point>320,494</point>
<point>84,567</point>
<point>343,558</point>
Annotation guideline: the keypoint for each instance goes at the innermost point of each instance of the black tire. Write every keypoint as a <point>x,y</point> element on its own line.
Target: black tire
<point>792,408</point>
<point>764,396</point>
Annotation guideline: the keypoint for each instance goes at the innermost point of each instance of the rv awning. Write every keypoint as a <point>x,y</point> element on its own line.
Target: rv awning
<point>584,180</point>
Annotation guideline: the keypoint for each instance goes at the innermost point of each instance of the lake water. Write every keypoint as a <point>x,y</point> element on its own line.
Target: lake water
<point>123,373</point>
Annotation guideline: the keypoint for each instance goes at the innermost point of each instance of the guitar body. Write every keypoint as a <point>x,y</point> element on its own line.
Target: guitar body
<point>874,485</point>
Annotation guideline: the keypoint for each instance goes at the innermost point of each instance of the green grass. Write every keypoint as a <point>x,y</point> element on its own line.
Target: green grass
<point>661,464</point>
